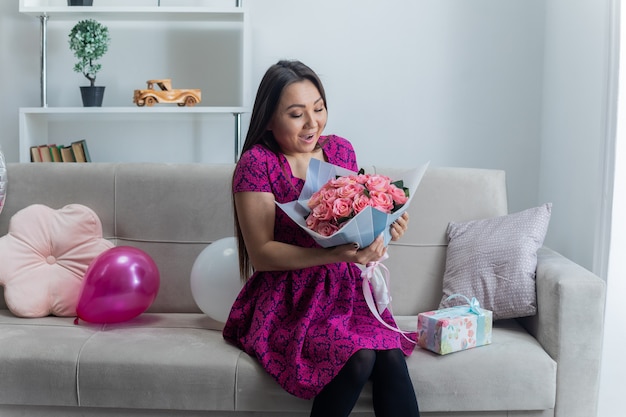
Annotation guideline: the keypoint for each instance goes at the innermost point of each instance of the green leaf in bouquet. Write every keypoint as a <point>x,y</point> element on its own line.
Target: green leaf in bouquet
<point>342,220</point>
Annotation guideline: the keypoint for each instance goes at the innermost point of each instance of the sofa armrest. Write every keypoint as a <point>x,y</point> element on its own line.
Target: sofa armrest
<point>569,326</point>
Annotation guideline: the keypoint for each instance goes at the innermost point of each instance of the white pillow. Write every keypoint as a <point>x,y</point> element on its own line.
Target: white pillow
<point>495,260</point>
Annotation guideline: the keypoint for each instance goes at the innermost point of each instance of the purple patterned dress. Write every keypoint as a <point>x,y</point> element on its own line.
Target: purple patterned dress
<point>302,325</point>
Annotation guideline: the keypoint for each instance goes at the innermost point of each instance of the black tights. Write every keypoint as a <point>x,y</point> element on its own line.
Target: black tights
<point>392,387</point>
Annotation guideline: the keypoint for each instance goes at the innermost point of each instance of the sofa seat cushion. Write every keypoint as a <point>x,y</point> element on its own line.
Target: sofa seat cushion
<point>159,361</point>
<point>155,361</point>
<point>514,369</point>
<point>513,363</point>
<point>38,359</point>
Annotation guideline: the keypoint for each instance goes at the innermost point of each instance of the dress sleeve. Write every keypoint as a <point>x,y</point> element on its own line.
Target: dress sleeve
<point>340,152</point>
<point>252,172</point>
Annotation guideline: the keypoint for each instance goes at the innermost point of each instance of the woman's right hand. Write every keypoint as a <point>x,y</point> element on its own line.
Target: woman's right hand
<point>352,253</point>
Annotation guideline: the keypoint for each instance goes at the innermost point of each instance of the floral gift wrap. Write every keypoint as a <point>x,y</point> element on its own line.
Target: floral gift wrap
<point>456,328</point>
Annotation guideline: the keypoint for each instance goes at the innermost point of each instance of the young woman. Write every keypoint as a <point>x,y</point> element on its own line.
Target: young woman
<point>302,313</point>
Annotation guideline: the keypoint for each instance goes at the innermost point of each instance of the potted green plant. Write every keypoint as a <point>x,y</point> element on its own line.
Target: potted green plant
<point>89,40</point>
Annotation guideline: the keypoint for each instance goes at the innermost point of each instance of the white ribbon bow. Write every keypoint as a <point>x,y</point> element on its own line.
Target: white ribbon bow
<point>377,274</point>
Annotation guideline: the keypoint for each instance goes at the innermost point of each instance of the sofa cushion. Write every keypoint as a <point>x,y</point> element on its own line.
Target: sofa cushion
<point>457,382</point>
<point>38,359</point>
<point>202,195</point>
<point>44,257</point>
<point>515,370</point>
<point>495,260</point>
<point>154,361</point>
<point>159,361</point>
<point>416,262</point>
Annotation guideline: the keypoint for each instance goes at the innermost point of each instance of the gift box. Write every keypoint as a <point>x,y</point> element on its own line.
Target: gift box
<point>361,229</point>
<point>456,328</point>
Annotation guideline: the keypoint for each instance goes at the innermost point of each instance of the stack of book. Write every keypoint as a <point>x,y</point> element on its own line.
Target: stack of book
<point>75,152</point>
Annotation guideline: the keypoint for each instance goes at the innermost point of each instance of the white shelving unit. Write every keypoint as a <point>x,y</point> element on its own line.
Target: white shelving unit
<point>223,94</point>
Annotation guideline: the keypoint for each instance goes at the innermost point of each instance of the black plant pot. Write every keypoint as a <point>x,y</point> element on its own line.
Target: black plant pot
<point>92,96</point>
<point>79,2</point>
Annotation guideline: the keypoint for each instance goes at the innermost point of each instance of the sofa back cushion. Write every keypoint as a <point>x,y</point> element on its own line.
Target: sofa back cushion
<point>173,211</point>
<point>417,261</point>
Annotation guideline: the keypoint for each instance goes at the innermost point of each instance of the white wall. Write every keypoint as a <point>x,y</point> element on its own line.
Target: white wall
<point>574,125</point>
<point>457,83</point>
<point>19,72</point>
<point>517,85</point>
<point>578,157</point>
<point>613,361</point>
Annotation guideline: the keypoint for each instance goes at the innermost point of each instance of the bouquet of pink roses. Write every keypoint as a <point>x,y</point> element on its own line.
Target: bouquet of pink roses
<point>343,197</point>
<point>338,206</point>
<point>363,206</point>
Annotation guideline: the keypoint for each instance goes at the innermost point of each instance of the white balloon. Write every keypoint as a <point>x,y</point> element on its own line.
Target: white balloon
<point>215,281</point>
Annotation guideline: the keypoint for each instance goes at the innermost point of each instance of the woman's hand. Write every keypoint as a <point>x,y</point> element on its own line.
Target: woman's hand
<point>377,249</point>
<point>398,227</point>
<point>352,253</point>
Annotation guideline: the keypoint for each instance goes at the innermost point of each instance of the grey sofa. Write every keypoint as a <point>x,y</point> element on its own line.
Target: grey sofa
<point>172,360</point>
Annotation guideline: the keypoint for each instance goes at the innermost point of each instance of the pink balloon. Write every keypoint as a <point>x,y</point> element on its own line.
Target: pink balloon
<point>119,284</point>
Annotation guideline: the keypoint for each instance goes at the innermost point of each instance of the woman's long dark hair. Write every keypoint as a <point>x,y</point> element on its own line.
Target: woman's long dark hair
<point>274,82</point>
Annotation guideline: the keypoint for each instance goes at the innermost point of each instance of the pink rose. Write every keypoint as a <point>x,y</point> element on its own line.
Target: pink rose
<point>359,203</point>
<point>342,207</point>
<point>378,183</point>
<point>326,228</point>
<point>363,178</point>
<point>315,199</point>
<point>329,194</point>
<point>398,195</point>
<point>312,222</point>
<point>323,211</point>
<point>381,201</point>
<point>350,190</point>
<point>341,182</point>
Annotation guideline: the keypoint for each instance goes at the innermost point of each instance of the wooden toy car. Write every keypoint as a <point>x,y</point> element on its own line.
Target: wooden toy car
<point>167,94</point>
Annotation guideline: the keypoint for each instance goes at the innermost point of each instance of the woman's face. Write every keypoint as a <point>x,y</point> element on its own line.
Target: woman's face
<point>299,118</point>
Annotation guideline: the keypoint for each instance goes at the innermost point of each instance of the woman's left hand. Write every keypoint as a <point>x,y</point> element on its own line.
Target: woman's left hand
<point>398,227</point>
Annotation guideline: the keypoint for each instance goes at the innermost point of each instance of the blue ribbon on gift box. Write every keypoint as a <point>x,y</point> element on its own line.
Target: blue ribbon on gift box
<point>474,307</point>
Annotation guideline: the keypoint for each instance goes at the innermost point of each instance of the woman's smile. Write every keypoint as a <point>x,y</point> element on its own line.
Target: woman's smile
<point>308,138</point>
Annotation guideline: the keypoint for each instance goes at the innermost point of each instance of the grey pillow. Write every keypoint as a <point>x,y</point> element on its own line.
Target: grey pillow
<point>495,260</point>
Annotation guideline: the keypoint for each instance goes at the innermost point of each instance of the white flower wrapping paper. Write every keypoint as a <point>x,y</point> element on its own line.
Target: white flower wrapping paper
<point>362,228</point>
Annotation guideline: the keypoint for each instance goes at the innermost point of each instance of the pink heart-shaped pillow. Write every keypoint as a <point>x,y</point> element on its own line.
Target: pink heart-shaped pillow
<point>44,257</point>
